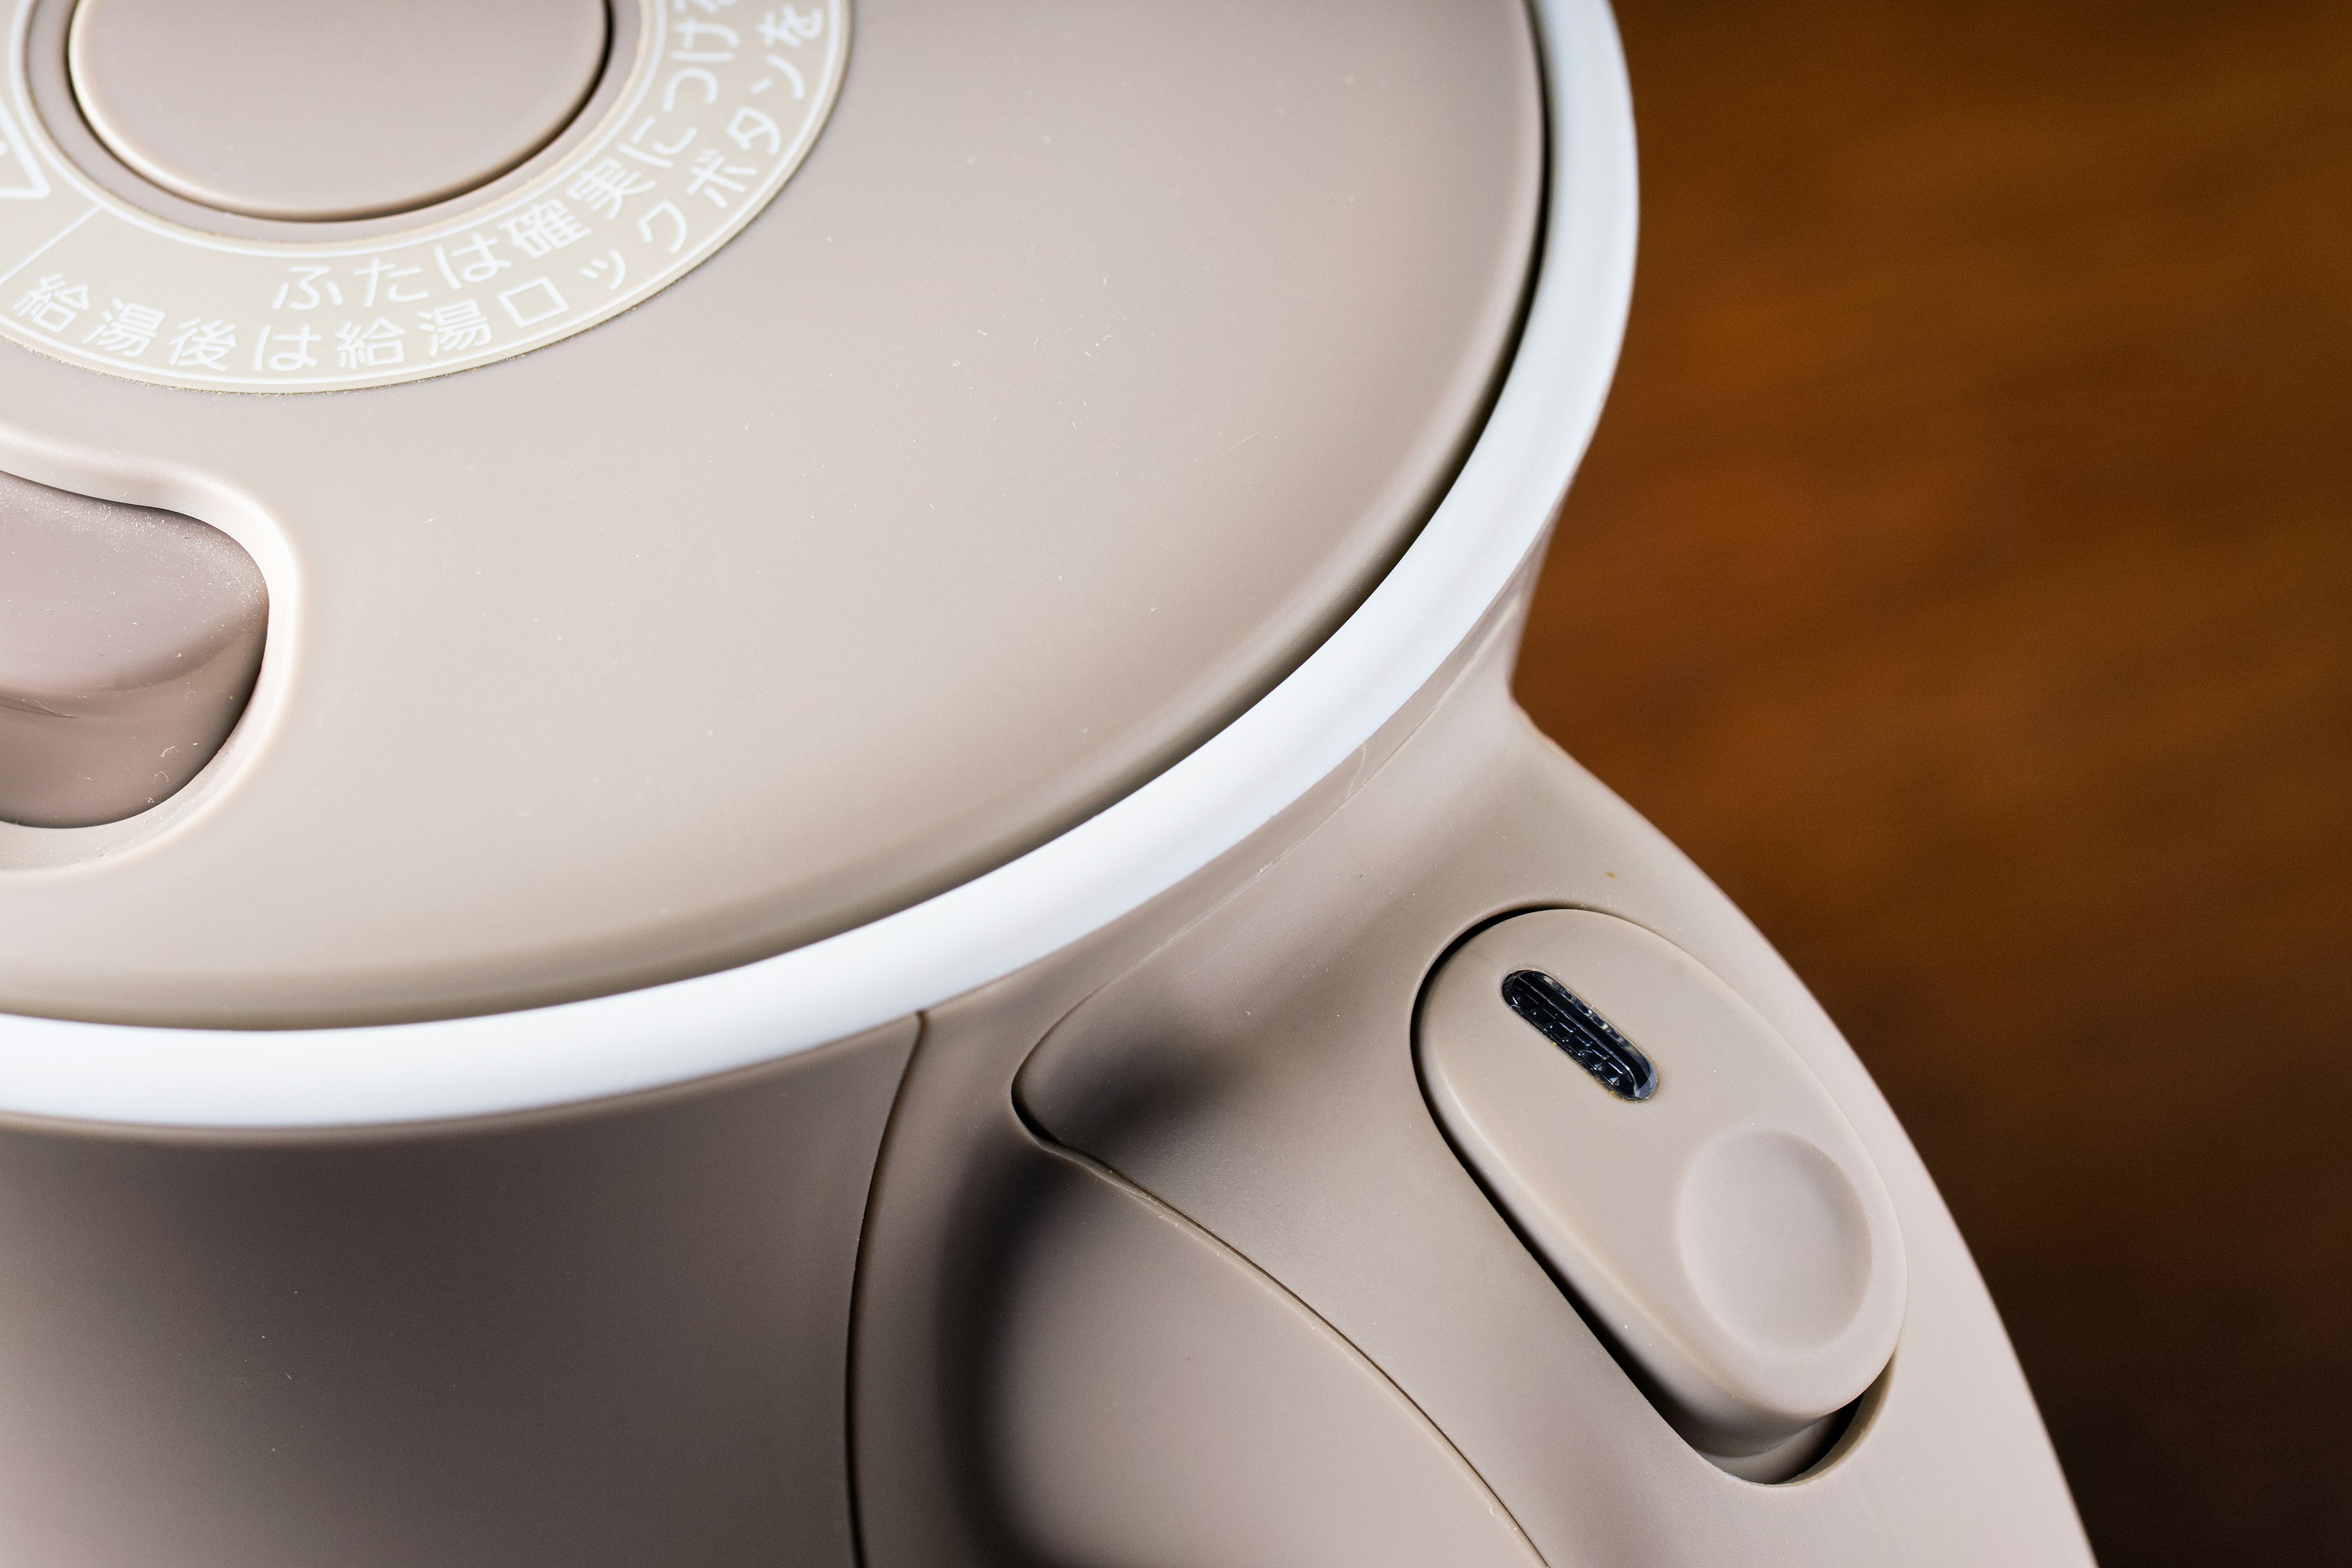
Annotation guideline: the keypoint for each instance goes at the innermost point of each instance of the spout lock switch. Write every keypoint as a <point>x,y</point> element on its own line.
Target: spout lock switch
<point>1680,1171</point>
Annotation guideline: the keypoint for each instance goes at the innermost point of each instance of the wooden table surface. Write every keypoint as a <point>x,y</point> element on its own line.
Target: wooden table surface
<point>1963,575</point>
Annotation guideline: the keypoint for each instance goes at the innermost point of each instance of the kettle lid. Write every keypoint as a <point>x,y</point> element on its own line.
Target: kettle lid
<point>1092,365</point>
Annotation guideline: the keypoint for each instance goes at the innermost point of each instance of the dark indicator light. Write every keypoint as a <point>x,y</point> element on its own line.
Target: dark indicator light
<point>1568,1021</point>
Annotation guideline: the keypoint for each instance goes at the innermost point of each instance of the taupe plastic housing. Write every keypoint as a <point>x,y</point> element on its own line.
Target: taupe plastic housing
<point>1242,1054</point>
<point>1725,1232</point>
<point>1164,1258</point>
<point>1147,1250</point>
<point>1093,365</point>
<point>129,638</point>
<point>602,1336</point>
<point>288,109</point>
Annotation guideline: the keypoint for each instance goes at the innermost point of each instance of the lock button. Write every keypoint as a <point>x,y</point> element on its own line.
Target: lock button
<point>1678,1168</point>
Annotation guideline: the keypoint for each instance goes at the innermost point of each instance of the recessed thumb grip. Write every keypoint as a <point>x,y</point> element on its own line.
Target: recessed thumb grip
<point>1677,1165</point>
<point>130,639</point>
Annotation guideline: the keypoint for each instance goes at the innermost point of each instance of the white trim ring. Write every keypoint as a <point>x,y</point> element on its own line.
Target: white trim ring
<point>1009,918</point>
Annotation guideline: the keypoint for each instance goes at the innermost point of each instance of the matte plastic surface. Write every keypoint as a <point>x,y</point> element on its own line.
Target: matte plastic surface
<point>1021,443</point>
<point>599,1338</point>
<point>1154,1399</point>
<point>190,295</point>
<point>1238,1051</point>
<point>1242,1050</point>
<point>1728,1233</point>
<point>1168,828</point>
<point>618,1334</point>
<point>293,108</point>
<point>129,642</point>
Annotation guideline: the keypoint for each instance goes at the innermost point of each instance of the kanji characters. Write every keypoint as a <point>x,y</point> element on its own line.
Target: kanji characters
<point>609,215</point>
<point>606,186</point>
<point>542,230</point>
<point>456,328</point>
<point>200,344</point>
<point>125,328</point>
<point>370,347</point>
<point>51,304</point>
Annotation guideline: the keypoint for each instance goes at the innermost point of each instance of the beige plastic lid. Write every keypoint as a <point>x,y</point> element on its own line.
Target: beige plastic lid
<point>1092,367</point>
<point>294,109</point>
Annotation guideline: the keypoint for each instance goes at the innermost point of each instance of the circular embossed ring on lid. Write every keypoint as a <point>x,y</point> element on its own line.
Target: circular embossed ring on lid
<point>715,112</point>
<point>406,1064</point>
<point>288,109</point>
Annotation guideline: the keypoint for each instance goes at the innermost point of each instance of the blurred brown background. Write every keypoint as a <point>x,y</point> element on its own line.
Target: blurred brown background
<point>1961,574</point>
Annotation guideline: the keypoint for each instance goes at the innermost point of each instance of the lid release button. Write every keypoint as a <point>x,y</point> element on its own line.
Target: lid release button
<point>130,639</point>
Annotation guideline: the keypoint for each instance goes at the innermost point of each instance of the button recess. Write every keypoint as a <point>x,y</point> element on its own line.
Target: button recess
<point>130,639</point>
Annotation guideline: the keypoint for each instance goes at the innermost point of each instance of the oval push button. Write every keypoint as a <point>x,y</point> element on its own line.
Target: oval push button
<point>1678,1168</point>
<point>129,642</point>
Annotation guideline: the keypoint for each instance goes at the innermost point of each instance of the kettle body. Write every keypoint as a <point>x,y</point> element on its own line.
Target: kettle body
<point>1326,1125</point>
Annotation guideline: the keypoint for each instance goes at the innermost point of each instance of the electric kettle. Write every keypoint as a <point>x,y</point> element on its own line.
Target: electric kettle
<point>758,804</point>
